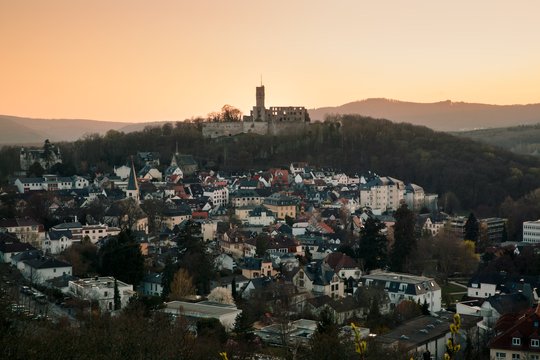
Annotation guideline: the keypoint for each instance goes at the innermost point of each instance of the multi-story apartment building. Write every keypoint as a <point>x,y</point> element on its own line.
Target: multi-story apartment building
<point>531,232</point>
<point>400,287</point>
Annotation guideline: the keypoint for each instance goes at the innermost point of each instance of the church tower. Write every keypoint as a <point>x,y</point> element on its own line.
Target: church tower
<point>174,160</point>
<point>132,190</point>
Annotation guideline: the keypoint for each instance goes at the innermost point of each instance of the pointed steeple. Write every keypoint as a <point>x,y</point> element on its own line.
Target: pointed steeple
<point>132,190</point>
<point>174,161</point>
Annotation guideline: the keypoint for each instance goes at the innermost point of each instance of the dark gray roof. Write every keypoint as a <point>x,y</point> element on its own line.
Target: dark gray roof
<point>12,247</point>
<point>68,226</point>
<point>26,255</point>
<point>46,263</point>
<point>509,303</point>
<point>153,278</point>
<point>57,235</point>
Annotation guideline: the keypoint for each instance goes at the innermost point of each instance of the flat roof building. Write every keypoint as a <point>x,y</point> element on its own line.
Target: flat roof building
<point>225,313</point>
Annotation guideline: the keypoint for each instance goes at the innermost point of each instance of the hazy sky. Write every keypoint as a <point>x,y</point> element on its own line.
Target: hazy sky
<point>135,60</point>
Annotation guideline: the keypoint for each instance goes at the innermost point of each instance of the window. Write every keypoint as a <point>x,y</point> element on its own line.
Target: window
<point>515,356</point>
<point>516,341</point>
<point>535,343</point>
<point>534,357</point>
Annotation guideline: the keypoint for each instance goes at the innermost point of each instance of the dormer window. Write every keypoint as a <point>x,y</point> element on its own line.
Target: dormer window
<point>535,343</point>
<point>516,341</point>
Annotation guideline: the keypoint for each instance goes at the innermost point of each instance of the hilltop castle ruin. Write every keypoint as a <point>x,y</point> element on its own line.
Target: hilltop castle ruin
<point>261,120</point>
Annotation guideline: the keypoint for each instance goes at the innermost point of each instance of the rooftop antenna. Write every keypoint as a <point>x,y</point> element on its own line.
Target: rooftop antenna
<point>261,80</point>
<point>176,147</point>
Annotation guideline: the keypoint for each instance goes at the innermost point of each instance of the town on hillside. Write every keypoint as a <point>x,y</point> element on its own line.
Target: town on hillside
<point>269,262</point>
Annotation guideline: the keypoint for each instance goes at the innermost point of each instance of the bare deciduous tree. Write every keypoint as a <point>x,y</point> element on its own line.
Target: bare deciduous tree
<point>182,285</point>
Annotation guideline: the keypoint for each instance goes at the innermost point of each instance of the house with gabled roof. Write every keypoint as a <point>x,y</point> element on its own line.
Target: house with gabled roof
<point>282,205</point>
<point>345,266</point>
<point>17,260</point>
<point>57,241</point>
<point>44,268</point>
<point>10,246</point>
<point>257,267</point>
<point>260,216</point>
<point>318,278</point>
<point>149,173</point>
<point>174,215</point>
<point>232,241</point>
<point>151,284</point>
<point>246,197</point>
<point>25,185</point>
<point>518,337</point>
<point>26,229</point>
<point>342,309</point>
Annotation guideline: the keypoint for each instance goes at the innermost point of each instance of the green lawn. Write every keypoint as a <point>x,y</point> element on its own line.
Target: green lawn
<point>449,293</point>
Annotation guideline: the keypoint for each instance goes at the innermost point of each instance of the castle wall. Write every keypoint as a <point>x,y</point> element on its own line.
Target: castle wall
<point>288,128</point>
<point>256,127</point>
<point>219,129</point>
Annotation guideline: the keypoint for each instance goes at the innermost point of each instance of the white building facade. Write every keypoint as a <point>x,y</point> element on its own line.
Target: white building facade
<point>101,290</point>
<point>531,232</point>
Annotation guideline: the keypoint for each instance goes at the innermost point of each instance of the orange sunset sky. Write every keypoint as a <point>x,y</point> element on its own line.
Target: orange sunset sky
<point>135,60</point>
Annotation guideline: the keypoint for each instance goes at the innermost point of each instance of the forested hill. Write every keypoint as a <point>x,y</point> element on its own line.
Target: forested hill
<point>442,116</point>
<point>480,175</point>
<point>524,139</point>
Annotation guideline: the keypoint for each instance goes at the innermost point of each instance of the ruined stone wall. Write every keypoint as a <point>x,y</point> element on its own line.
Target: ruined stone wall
<point>219,129</point>
<point>215,130</point>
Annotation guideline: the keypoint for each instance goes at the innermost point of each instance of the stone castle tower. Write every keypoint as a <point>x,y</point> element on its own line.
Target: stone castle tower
<point>259,111</point>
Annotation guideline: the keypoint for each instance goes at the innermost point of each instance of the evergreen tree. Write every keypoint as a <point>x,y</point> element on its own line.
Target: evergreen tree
<point>121,257</point>
<point>167,277</point>
<point>233,288</point>
<point>36,170</point>
<point>243,325</point>
<point>195,258</point>
<point>404,238</point>
<point>472,228</point>
<point>117,301</point>
<point>373,245</point>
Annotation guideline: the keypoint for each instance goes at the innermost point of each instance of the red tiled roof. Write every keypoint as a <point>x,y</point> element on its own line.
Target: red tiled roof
<point>338,261</point>
<point>199,215</point>
<point>525,327</point>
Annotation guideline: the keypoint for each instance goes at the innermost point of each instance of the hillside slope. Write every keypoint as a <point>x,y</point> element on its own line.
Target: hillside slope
<point>21,129</point>
<point>441,116</point>
<point>523,139</point>
<point>12,132</point>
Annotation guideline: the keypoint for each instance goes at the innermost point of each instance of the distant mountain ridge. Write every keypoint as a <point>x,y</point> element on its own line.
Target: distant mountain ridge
<point>440,116</point>
<point>19,130</point>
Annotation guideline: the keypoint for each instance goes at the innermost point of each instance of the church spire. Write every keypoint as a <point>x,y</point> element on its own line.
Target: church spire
<point>132,190</point>
<point>174,161</point>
